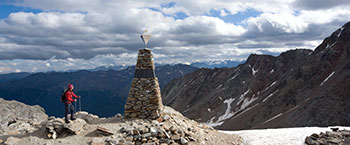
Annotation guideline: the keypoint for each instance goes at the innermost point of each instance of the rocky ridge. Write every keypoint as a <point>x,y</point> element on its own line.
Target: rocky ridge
<point>171,128</point>
<point>297,88</point>
<point>18,118</point>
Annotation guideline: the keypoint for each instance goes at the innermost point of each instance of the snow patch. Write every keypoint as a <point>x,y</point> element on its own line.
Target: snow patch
<point>212,123</point>
<point>273,118</point>
<point>330,45</point>
<point>253,70</point>
<point>228,109</point>
<point>242,95</point>
<point>247,102</point>
<point>327,78</point>
<point>341,30</point>
<point>292,109</point>
<point>270,95</point>
<point>270,86</point>
<point>221,119</point>
<point>234,77</point>
<point>219,86</point>
<point>234,114</point>
<point>281,136</point>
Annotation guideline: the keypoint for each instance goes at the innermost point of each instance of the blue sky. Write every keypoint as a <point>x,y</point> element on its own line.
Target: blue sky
<point>59,35</point>
<point>5,10</point>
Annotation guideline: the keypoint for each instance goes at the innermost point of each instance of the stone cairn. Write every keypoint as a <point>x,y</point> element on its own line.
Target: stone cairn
<point>144,99</point>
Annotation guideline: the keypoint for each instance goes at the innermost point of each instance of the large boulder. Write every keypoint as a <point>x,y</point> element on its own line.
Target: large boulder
<point>18,118</point>
<point>58,128</point>
<point>336,136</point>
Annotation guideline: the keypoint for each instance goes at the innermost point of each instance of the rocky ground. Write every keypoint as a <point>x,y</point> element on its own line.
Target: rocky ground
<point>334,137</point>
<point>171,128</point>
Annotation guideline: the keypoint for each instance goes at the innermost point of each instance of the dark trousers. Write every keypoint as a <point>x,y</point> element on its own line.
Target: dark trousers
<point>69,108</point>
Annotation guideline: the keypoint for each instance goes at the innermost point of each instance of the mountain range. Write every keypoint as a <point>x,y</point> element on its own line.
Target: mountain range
<point>297,88</point>
<point>217,64</point>
<point>205,64</point>
<point>103,92</point>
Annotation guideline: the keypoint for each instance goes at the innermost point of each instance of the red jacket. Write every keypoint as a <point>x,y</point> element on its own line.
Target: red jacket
<point>69,97</point>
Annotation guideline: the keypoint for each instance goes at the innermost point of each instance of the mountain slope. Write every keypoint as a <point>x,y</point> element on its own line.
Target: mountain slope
<point>297,88</point>
<point>13,76</point>
<point>103,92</point>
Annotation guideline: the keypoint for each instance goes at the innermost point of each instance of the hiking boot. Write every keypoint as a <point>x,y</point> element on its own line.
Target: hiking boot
<point>67,121</point>
<point>73,119</point>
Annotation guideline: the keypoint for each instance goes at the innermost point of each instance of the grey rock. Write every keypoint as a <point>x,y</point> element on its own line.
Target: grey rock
<point>183,141</point>
<point>11,141</point>
<point>146,135</point>
<point>153,131</point>
<point>166,117</point>
<point>16,112</point>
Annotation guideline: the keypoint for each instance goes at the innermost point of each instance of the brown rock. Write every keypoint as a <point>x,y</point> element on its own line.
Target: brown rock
<point>175,137</point>
<point>129,139</point>
<point>136,132</point>
<point>104,131</point>
<point>159,119</point>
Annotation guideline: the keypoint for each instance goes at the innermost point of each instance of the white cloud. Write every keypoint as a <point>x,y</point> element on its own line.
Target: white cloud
<point>86,34</point>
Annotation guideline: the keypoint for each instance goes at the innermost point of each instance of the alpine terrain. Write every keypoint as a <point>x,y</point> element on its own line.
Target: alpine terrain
<point>297,88</point>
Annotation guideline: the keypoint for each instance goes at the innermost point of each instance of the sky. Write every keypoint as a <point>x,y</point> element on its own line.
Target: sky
<point>61,35</point>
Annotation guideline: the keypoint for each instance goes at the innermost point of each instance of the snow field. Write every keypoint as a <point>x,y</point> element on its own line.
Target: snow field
<point>281,136</point>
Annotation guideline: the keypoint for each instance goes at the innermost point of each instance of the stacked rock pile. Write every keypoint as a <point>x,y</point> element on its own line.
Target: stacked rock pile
<point>144,99</point>
<point>156,133</point>
<point>336,137</point>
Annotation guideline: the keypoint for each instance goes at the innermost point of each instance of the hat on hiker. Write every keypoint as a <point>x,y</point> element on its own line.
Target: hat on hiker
<point>70,86</point>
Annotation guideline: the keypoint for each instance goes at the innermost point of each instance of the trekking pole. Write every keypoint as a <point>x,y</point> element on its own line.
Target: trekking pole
<point>80,104</point>
<point>75,106</point>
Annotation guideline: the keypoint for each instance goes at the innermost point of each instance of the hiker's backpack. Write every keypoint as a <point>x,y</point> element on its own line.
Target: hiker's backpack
<point>63,97</point>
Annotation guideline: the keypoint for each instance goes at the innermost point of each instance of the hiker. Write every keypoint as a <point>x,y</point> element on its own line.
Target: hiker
<point>68,103</point>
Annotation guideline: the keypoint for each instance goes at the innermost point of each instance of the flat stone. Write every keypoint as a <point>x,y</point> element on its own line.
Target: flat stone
<point>146,135</point>
<point>129,139</point>
<point>97,141</point>
<point>104,131</point>
<point>11,141</point>
<point>75,126</point>
<point>175,137</point>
